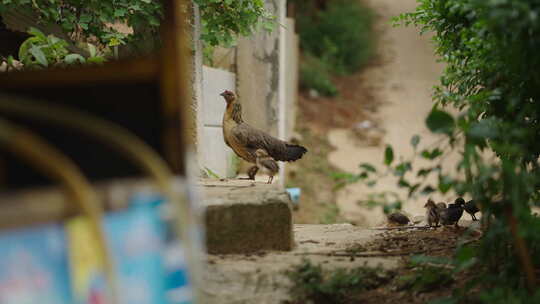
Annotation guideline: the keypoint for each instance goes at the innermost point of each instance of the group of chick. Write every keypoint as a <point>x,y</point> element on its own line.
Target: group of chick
<point>440,213</point>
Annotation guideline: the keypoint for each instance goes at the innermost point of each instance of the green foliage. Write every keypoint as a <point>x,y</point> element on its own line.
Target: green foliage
<point>335,41</point>
<point>93,18</point>
<point>341,35</point>
<point>223,20</point>
<point>426,278</point>
<point>440,122</point>
<point>312,285</point>
<point>492,77</point>
<point>211,173</point>
<point>315,74</point>
<point>40,51</point>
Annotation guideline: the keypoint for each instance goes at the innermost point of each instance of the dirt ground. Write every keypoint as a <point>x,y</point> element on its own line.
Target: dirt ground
<point>406,282</point>
<point>404,287</point>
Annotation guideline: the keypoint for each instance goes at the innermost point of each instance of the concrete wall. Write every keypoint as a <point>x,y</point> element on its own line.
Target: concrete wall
<point>215,155</point>
<point>257,70</point>
<point>291,77</point>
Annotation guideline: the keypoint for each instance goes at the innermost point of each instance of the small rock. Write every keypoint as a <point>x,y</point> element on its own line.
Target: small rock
<point>314,94</point>
<point>418,219</point>
<point>365,124</point>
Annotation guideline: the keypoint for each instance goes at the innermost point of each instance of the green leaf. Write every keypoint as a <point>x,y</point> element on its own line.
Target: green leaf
<point>39,34</point>
<point>371,183</point>
<point>39,55</point>
<point>413,189</point>
<point>427,190</point>
<point>368,167</point>
<point>402,168</point>
<point>445,183</point>
<point>96,59</point>
<point>483,129</point>
<point>211,173</point>
<point>431,155</point>
<point>424,172</point>
<point>440,122</point>
<point>388,155</point>
<point>120,12</point>
<point>73,58</point>
<point>402,183</point>
<point>92,49</point>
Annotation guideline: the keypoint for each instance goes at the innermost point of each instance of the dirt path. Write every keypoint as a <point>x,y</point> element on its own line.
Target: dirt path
<point>403,84</point>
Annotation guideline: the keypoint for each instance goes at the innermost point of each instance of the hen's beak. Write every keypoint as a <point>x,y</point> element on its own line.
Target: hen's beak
<point>222,94</point>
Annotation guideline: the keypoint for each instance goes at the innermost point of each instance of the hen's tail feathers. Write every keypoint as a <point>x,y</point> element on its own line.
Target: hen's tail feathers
<point>294,152</point>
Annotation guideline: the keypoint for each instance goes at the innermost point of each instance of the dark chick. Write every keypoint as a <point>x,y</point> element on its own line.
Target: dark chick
<point>471,209</point>
<point>266,164</point>
<point>244,139</point>
<point>432,214</point>
<point>452,214</point>
<point>398,218</point>
<point>441,205</point>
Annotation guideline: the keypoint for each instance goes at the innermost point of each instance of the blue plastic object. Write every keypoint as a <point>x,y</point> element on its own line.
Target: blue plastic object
<point>34,266</point>
<point>294,193</point>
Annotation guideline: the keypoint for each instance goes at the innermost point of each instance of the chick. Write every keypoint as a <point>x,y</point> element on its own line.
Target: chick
<point>432,213</point>
<point>398,218</point>
<point>453,213</point>
<point>266,164</point>
<point>471,209</point>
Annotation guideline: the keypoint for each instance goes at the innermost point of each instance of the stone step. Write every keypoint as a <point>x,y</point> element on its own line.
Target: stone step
<point>260,278</point>
<point>245,216</point>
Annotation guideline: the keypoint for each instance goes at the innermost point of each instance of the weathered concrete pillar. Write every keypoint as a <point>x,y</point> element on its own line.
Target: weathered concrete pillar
<point>257,64</point>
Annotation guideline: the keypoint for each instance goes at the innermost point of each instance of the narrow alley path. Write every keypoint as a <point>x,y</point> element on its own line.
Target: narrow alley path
<point>403,85</point>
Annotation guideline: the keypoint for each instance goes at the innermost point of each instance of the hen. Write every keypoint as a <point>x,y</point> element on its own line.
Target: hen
<point>244,139</point>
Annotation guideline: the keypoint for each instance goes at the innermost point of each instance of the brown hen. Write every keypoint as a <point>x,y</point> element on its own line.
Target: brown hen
<point>244,139</point>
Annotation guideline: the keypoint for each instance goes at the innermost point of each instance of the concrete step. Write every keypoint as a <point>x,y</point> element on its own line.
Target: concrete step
<point>260,278</point>
<point>245,216</point>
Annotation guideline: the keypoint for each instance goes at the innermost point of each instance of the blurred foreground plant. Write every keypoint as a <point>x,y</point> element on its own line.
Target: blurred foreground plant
<point>40,51</point>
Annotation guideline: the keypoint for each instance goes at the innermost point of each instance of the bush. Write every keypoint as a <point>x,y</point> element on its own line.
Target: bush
<point>315,74</point>
<point>492,78</point>
<point>311,284</point>
<point>40,51</point>
<point>341,35</point>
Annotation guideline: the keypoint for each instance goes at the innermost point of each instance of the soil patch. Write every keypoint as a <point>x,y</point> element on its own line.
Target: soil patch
<point>412,283</point>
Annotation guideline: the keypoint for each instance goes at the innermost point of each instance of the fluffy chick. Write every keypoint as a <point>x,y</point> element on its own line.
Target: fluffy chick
<point>452,214</point>
<point>432,213</point>
<point>471,209</point>
<point>266,164</point>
